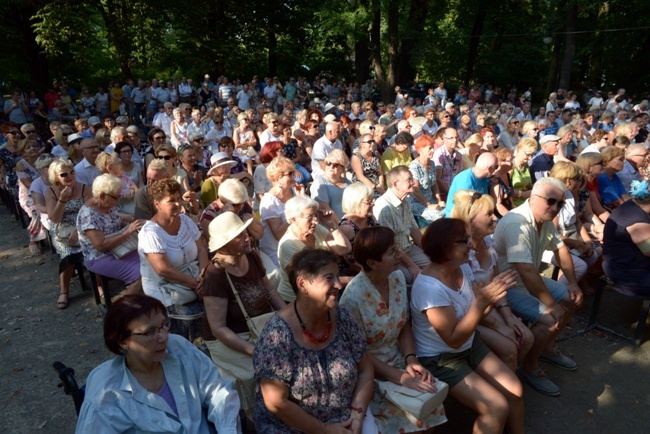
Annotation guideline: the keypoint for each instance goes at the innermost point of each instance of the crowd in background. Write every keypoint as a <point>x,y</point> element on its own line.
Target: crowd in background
<point>394,237</point>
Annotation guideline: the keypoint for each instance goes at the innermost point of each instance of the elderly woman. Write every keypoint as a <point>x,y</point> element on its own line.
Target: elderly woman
<point>567,148</point>
<point>178,128</point>
<point>239,170</point>
<point>426,203</point>
<point>261,182</point>
<point>502,191</point>
<point>610,186</point>
<point>244,137</point>
<point>170,155</point>
<point>529,129</point>
<point>311,364</point>
<point>232,197</point>
<point>235,267</point>
<point>27,173</point>
<point>626,243</point>
<point>132,169</point>
<point>304,231</point>
<point>365,164</point>
<point>520,177</point>
<point>63,200</point>
<point>218,173</point>
<point>9,156</point>
<point>509,138</point>
<point>503,333</point>
<point>111,164</point>
<point>158,381</point>
<point>377,299</point>
<point>40,185</point>
<point>281,173</point>
<point>172,251</point>
<point>592,165</point>
<point>446,313</point>
<point>156,139</point>
<point>61,136</point>
<point>569,225</point>
<point>327,189</point>
<point>101,229</point>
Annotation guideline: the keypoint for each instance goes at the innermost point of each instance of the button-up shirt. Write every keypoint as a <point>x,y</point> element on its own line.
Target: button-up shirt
<point>86,172</point>
<point>396,214</point>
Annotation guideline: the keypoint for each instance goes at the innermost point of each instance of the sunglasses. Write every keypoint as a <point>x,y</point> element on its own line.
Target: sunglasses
<point>164,157</point>
<point>552,201</point>
<point>225,146</point>
<point>198,139</point>
<point>30,131</point>
<point>218,123</point>
<point>476,196</point>
<point>66,174</point>
<point>332,164</point>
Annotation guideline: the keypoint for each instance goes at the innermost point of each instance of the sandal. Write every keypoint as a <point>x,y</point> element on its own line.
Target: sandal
<point>62,304</point>
<point>35,250</point>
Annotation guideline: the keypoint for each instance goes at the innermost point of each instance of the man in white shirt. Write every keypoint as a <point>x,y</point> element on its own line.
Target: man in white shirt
<point>184,90</point>
<point>225,91</point>
<point>323,146</point>
<point>525,113</point>
<point>118,134</point>
<point>85,170</point>
<point>441,93</point>
<point>163,120</point>
<point>243,98</point>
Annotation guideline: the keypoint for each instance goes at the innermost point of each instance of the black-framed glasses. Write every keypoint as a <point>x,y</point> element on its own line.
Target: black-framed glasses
<point>159,137</point>
<point>464,241</point>
<point>154,333</point>
<point>164,157</point>
<point>551,201</point>
<point>30,131</point>
<point>66,174</point>
<point>226,145</point>
<point>198,139</point>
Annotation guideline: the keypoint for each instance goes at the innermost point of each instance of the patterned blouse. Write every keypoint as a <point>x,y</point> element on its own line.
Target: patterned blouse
<point>370,168</point>
<point>321,382</point>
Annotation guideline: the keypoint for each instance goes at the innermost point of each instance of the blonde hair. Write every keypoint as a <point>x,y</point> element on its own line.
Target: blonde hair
<point>104,160</point>
<point>565,170</point>
<point>527,145</point>
<point>353,195</point>
<point>337,156</point>
<point>467,211</point>
<point>610,153</point>
<point>277,167</point>
<point>55,168</point>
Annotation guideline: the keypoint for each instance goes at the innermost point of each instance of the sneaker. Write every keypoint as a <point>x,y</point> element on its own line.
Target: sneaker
<point>560,360</point>
<point>538,381</point>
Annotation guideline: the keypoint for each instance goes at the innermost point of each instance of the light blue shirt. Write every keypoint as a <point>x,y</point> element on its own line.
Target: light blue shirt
<point>116,403</point>
<point>466,180</point>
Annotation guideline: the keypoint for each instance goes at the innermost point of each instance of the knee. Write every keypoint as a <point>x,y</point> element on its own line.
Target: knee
<point>499,407</point>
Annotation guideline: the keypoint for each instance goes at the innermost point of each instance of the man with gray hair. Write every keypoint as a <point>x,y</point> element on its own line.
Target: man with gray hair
<point>520,239</point>
<point>118,134</point>
<point>323,146</point>
<point>636,160</point>
<point>144,208</point>
<point>85,170</point>
<point>164,119</point>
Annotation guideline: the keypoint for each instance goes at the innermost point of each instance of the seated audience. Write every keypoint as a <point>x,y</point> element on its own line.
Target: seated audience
<point>445,313</point>
<point>109,163</point>
<point>158,381</point>
<point>311,364</point>
<point>477,178</point>
<point>502,191</point>
<point>144,208</point>
<point>520,178</point>
<point>218,173</point>
<point>610,187</point>
<point>542,162</point>
<point>501,330</point>
<point>235,266</point>
<point>305,231</point>
<point>327,188</point>
<point>377,299</point>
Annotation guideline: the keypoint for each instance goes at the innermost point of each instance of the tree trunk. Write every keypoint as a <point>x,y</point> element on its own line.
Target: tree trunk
<point>474,42</point>
<point>598,44</point>
<point>375,41</point>
<point>361,48</point>
<point>551,82</point>
<point>112,12</point>
<point>415,28</point>
<point>570,46</point>
<point>393,49</point>
<point>37,62</point>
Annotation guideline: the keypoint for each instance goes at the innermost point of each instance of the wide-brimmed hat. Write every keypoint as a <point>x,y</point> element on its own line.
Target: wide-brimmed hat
<point>225,228</point>
<point>329,106</point>
<point>74,138</point>
<point>219,159</point>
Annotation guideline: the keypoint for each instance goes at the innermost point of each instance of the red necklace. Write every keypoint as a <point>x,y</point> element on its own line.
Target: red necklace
<point>310,337</point>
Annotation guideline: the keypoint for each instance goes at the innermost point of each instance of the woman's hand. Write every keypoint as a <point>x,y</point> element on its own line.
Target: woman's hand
<point>299,189</point>
<point>496,290</point>
<point>135,226</point>
<point>354,422</point>
<point>66,193</point>
<point>336,428</point>
<point>73,239</point>
<point>128,194</point>
<point>415,369</point>
<point>418,378</point>
<point>506,331</point>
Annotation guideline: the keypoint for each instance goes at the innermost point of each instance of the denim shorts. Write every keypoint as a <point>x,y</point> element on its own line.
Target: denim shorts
<point>529,307</point>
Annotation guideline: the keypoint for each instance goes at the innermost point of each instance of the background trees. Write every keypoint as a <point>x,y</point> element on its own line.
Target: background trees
<point>591,44</point>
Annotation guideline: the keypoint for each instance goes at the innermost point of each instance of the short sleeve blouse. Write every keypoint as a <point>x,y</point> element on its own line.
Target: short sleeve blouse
<point>91,219</point>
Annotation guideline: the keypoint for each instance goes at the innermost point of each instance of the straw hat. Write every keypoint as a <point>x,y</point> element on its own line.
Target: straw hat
<point>225,228</point>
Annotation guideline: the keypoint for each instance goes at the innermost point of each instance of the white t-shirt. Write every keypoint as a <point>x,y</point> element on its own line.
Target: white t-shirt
<point>180,250</point>
<point>243,100</point>
<point>270,207</point>
<point>427,293</point>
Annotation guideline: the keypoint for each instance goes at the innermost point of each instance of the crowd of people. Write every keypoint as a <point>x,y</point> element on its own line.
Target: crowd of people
<point>319,244</point>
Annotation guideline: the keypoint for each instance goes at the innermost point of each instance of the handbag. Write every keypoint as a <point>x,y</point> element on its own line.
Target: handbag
<point>62,232</point>
<point>255,324</point>
<point>181,294</point>
<point>127,246</point>
<point>418,404</point>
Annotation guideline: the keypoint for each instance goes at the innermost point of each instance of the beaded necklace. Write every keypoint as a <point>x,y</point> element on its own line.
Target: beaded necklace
<point>310,337</point>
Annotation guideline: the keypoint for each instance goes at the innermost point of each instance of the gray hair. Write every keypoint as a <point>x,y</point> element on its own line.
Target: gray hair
<point>353,195</point>
<point>115,131</point>
<point>296,205</point>
<point>43,161</point>
<point>158,166</point>
<point>168,104</point>
<point>232,191</point>
<point>548,181</point>
<point>106,184</point>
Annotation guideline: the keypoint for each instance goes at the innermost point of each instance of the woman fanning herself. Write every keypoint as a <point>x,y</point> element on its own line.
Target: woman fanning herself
<point>158,382</point>
<point>310,363</point>
<point>501,330</point>
<point>377,299</point>
<point>446,313</point>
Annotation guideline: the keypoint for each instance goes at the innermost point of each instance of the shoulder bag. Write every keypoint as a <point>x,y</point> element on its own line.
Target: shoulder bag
<point>418,404</point>
<point>256,323</point>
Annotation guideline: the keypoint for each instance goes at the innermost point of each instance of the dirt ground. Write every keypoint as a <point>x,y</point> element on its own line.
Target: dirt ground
<point>609,393</point>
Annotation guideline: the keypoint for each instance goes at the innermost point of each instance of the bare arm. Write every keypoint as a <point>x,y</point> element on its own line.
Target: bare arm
<point>216,309</point>
<point>102,242</point>
<point>277,226</point>
<point>160,264</point>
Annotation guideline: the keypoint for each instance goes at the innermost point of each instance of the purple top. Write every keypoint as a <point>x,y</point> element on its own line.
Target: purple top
<point>166,394</point>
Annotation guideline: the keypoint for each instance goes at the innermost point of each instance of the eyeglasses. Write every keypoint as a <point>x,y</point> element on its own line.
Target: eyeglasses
<point>227,145</point>
<point>164,157</point>
<point>368,202</point>
<point>451,138</point>
<point>332,164</point>
<point>66,174</point>
<point>65,134</point>
<point>154,333</point>
<point>117,198</point>
<point>552,201</point>
<point>91,148</point>
<point>159,137</point>
<point>395,252</point>
<point>30,131</point>
<point>290,173</point>
<point>218,123</point>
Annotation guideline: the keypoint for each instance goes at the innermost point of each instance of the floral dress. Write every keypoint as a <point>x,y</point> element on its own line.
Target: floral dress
<point>370,168</point>
<point>10,159</point>
<point>426,178</point>
<point>382,325</point>
<point>321,382</point>
<point>69,254</point>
